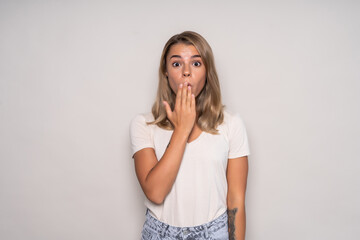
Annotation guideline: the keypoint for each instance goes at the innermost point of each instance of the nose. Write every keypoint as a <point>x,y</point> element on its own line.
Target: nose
<point>186,71</point>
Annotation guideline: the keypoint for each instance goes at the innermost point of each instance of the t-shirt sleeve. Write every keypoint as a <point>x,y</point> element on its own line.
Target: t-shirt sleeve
<point>238,140</point>
<point>140,134</point>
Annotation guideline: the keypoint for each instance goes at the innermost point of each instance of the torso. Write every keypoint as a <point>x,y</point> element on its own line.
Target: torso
<point>199,192</point>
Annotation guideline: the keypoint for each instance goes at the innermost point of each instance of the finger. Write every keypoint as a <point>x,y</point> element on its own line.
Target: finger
<point>167,109</point>
<point>178,96</point>
<point>188,97</point>
<point>192,105</point>
<point>183,95</point>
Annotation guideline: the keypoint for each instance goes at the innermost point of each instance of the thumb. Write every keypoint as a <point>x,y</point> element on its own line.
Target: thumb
<point>167,109</point>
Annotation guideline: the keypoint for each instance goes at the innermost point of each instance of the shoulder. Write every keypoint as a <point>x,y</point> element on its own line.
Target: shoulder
<point>232,119</point>
<point>138,124</point>
<point>236,135</point>
<point>142,118</point>
<point>140,132</point>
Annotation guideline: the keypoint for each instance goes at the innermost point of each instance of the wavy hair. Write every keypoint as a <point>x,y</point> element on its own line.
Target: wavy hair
<point>209,108</point>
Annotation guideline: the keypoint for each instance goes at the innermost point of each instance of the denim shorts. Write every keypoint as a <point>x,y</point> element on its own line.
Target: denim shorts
<point>217,229</point>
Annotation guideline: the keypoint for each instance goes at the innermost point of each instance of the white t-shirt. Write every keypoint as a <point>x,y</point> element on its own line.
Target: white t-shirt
<point>199,192</point>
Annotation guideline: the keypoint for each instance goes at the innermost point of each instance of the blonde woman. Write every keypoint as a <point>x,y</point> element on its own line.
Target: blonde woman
<point>190,154</point>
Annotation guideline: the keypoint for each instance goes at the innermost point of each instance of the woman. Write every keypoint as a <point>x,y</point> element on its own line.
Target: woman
<point>190,154</point>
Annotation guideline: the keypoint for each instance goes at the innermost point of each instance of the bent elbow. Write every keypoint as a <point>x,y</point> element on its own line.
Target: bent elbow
<point>155,198</point>
<point>157,201</point>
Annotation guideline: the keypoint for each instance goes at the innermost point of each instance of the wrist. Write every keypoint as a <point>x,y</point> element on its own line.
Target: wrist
<point>182,134</point>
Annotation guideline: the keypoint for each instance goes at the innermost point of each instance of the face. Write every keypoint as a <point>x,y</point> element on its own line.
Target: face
<point>184,64</point>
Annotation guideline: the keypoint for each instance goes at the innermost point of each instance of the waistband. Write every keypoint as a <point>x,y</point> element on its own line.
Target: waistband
<point>167,230</point>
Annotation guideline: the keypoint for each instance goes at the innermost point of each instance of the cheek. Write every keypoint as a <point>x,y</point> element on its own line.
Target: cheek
<point>173,82</point>
<point>201,83</point>
<point>174,78</point>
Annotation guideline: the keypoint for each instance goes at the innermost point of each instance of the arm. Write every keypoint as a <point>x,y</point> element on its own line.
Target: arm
<point>157,177</point>
<point>237,171</point>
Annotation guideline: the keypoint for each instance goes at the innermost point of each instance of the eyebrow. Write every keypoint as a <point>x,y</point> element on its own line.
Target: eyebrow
<point>178,56</point>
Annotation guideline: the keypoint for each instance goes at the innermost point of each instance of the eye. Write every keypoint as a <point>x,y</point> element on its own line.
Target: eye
<point>197,64</point>
<point>176,64</point>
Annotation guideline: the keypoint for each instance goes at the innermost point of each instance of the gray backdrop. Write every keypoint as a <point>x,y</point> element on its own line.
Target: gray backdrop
<point>74,73</point>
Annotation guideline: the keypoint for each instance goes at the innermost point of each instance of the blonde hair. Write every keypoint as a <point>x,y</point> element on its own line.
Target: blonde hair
<point>209,108</point>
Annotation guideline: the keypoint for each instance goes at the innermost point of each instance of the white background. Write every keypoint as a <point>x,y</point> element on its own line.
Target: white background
<point>74,73</point>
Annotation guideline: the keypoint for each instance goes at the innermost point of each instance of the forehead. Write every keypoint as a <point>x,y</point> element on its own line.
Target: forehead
<point>183,50</point>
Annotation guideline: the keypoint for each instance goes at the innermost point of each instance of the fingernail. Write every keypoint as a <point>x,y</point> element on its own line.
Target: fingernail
<point>181,85</point>
<point>186,83</point>
<point>189,87</point>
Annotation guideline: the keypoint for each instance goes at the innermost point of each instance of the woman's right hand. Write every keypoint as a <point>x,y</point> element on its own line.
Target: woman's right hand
<point>184,114</point>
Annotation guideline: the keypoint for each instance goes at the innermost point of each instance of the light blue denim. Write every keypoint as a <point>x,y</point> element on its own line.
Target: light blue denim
<point>154,229</point>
